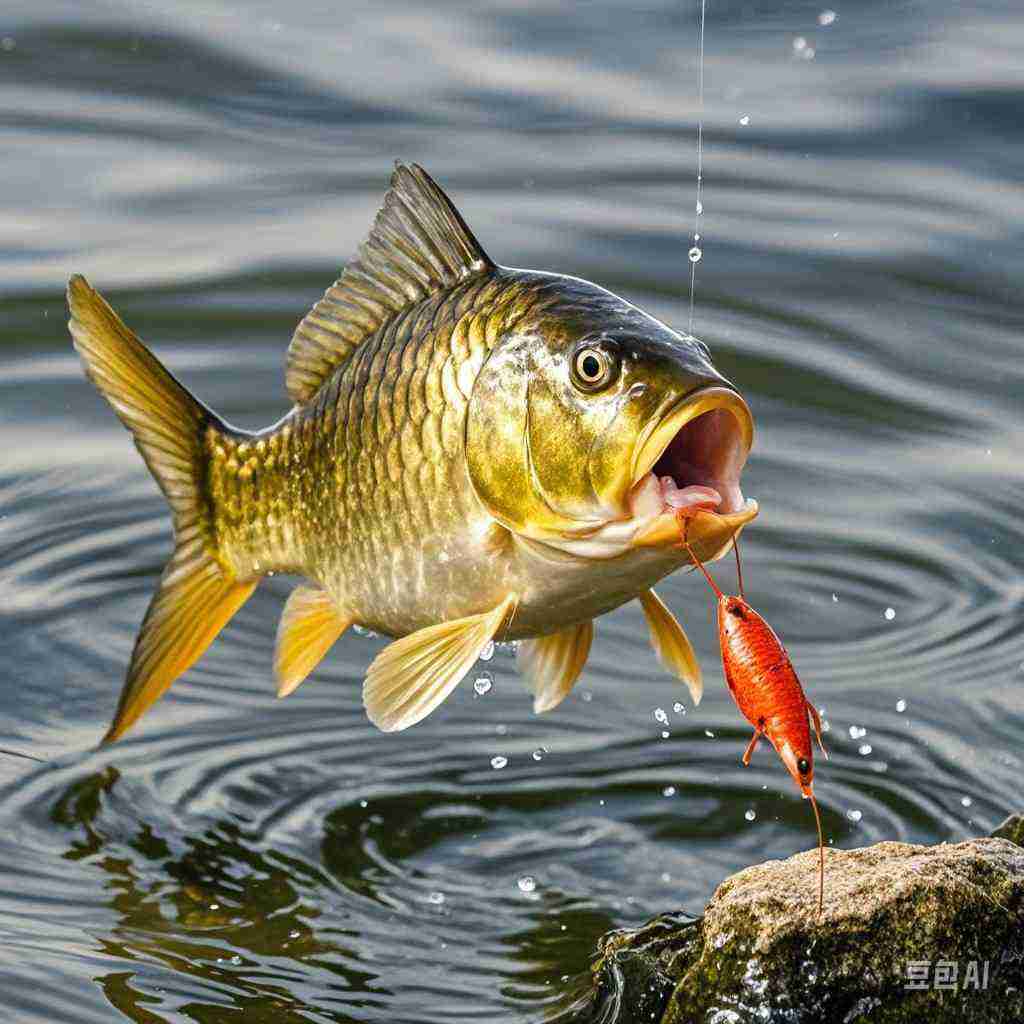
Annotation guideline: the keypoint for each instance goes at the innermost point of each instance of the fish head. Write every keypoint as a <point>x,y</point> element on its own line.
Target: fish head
<point>591,423</point>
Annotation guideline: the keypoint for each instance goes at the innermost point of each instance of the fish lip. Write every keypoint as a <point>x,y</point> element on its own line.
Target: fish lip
<point>665,427</point>
<point>712,530</point>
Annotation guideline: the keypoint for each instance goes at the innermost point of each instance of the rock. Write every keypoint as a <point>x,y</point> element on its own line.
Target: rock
<point>1012,829</point>
<point>908,934</point>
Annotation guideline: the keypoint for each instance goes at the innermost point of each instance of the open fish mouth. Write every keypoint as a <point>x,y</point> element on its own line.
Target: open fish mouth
<point>691,458</point>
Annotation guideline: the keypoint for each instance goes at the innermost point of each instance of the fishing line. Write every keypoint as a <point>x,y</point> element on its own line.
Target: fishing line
<point>18,753</point>
<point>695,252</point>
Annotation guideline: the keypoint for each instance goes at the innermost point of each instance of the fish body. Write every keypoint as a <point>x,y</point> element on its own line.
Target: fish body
<point>475,453</point>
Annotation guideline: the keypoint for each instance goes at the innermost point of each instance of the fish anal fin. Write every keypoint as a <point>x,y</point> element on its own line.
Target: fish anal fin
<point>310,624</point>
<point>552,664</point>
<point>192,604</point>
<point>419,244</point>
<point>671,644</point>
<point>413,675</point>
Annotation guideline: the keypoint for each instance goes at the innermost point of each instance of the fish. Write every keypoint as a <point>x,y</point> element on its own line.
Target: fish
<point>475,454</point>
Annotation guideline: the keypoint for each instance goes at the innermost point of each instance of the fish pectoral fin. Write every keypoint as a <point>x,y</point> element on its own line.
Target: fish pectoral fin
<point>193,603</point>
<point>671,644</point>
<point>552,664</point>
<point>413,675</point>
<point>310,624</point>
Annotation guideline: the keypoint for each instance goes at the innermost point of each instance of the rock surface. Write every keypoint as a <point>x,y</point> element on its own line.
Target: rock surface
<point>948,917</point>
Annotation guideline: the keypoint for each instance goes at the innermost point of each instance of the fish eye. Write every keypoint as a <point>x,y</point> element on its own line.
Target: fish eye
<point>593,369</point>
<point>803,766</point>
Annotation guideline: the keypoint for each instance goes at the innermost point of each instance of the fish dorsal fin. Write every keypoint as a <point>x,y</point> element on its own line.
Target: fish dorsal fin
<point>419,244</point>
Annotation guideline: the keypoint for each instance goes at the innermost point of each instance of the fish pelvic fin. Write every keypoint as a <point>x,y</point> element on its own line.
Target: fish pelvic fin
<point>197,594</point>
<point>310,624</point>
<point>552,664</point>
<point>419,245</point>
<point>413,675</point>
<point>671,644</point>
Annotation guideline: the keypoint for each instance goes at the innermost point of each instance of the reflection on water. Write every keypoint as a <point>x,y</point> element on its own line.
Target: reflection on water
<point>282,860</point>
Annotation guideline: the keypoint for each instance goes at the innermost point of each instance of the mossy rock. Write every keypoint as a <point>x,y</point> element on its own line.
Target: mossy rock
<point>761,953</point>
<point>1012,829</point>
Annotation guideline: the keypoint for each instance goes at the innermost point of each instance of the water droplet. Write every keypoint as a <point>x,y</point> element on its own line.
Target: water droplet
<point>835,598</point>
<point>751,814</point>
<point>586,696</point>
<point>799,44</point>
<point>363,804</point>
<point>363,631</point>
<point>527,883</point>
<point>660,716</point>
<point>665,734</point>
<point>295,934</point>
<point>864,749</point>
<point>695,254</point>
<point>669,791</point>
<point>827,17</point>
<point>538,754</point>
<point>856,732</point>
<point>901,705</point>
<point>890,614</point>
<point>854,815</point>
<point>483,683</point>
<point>488,652</point>
<point>498,762</point>
<point>666,877</point>
<point>966,801</point>
<point>679,708</point>
<point>710,735</point>
<point>745,120</point>
<point>437,898</point>
<point>699,207</point>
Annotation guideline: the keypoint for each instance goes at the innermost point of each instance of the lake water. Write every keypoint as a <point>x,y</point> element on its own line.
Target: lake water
<point>210,166</point>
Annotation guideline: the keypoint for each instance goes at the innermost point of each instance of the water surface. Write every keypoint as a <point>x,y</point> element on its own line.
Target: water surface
<point>210,169</point>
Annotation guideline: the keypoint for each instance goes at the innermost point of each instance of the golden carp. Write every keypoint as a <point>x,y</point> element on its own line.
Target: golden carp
<point>475,454</point>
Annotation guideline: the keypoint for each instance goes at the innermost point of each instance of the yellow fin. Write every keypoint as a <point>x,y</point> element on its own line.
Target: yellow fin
<point>197,595</point>
<point>672,645</point>
<point>552,664</point>
<point>412,676</point>
<point>419,244</point>
<point>310,624</point>
<point>192,605</point>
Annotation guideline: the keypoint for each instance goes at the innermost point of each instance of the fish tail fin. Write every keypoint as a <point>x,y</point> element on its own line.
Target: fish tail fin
<point>197,594</point>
